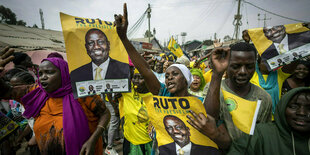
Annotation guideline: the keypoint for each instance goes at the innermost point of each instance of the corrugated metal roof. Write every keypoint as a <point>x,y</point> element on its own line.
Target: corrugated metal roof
<point>145,40</point>
<point>24,38</point>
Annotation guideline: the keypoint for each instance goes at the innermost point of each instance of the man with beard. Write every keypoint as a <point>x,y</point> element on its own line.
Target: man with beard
<point>102,66</point>
<point>180,133</point>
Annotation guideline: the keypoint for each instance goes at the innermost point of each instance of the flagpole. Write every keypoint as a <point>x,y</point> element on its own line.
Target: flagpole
<point>253,125</point>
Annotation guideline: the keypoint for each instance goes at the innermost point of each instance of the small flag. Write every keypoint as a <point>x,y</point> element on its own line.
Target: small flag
<point>175,48</point>
<point>243,112</point>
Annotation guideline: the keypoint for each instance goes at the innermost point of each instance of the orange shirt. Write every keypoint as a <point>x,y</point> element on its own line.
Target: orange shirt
<point>48,126</point>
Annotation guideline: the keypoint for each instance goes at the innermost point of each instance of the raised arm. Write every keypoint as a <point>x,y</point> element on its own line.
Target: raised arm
<point>5,57</point>
<point>6,90</point>
<point>290,67</point>
<point>220,60</point>
<point>121,23</point>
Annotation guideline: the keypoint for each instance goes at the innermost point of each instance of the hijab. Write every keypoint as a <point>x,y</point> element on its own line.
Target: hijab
<point>75,123</point>
<point>185,71</point>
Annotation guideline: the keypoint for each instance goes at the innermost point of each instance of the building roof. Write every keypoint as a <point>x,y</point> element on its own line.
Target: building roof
<point>146,40</point>
<point>23,38</point>
<point>189,42</point>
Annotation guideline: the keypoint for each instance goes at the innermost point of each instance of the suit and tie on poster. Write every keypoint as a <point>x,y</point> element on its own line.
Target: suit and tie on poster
<point>97,58</point>
<point>173,133</point>
<point>282,44</point>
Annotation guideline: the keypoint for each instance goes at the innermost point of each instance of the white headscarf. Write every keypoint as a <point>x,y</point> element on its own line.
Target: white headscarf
<point>185,71</point>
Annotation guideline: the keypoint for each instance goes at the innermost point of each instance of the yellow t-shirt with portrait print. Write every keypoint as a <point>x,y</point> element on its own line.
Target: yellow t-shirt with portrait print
<point>136,119</point>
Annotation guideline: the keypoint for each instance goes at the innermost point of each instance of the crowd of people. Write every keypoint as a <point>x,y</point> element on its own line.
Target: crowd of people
<point>38,105</point>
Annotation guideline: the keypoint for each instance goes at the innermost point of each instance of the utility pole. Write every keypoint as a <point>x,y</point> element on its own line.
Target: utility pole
<point>42,18</point>
<point>183,34</point>
<point>264,19</point>
<point>237,21</point>
<point>149,18</point>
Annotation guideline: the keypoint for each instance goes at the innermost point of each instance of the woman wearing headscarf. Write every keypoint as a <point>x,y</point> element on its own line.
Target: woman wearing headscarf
<point>63,125</point>
<point>196,88</point>
<point>288,134</point>
<point>177,76</point>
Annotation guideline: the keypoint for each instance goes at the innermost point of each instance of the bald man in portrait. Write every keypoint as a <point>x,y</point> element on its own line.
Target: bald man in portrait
<point>101,66</point>
<point>283,42</point>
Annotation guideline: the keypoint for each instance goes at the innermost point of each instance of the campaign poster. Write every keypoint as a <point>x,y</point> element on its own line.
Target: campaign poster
<point>97,58</point>
<point>173,133</point>
<point>282,44</point>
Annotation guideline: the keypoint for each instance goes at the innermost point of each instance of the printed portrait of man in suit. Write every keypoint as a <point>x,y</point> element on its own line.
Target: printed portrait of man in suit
<point>180,133</point>
<point>91,90</point>
<point>102,66</point>
<point>283,41</point>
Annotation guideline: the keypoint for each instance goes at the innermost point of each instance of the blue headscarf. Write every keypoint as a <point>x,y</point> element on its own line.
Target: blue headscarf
<point>271,85</point>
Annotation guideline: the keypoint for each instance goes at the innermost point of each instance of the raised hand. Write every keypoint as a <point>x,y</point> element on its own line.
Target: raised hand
<point>121,23</point>
<point>220,59</point>
<point>205,125</point>
<point>246,36</point>
<point>5,57</point>
<point>306,25</point>
<point>217,43</point>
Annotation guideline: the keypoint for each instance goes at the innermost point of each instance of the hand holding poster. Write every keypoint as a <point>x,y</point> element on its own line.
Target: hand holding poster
<point>282,44</point>
<point>173,133</point>
<point>97,59</point>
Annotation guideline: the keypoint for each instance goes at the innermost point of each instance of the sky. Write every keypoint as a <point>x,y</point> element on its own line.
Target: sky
<point>200,19</point>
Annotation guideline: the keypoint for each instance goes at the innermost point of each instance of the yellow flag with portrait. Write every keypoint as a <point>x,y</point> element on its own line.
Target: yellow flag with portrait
<point>168,116</point>
<point>282,44</point>
<point>242,111</point>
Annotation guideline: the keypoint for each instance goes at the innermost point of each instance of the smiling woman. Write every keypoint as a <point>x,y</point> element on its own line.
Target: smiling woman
<point>290,132</point>
<point>196,88</point>
<point>300,77</point>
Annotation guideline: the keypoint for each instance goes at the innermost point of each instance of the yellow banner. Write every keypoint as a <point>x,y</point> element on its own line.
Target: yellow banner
<point>175,48</point>
<point>168,116</point>
<point>282,44</point>
<point>97,59</point>
<point>242,111</point>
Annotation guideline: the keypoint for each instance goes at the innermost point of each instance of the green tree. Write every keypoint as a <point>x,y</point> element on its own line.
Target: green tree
<point>9,17</point>
<point>21,22</point>
<point>35,26</point>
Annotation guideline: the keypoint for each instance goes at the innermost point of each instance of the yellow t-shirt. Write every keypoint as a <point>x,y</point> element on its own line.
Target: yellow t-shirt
<point>281,78</point>
<point>136,119</point>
